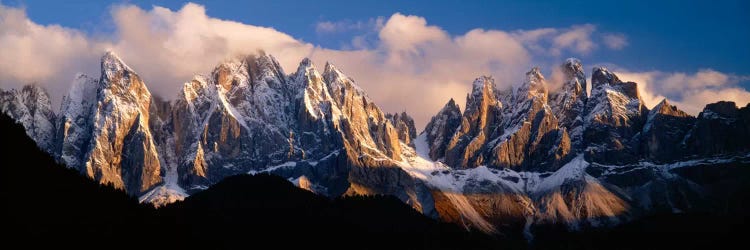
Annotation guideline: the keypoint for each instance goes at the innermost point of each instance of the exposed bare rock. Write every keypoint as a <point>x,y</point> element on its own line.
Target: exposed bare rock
<point>363,124</point>
<point>665,128</point>
<point>404,124</point>
<point>121,150</point>
<point>531,137</point>
<point>569,101</point>
<point>480,120</point>
<point>74,127</point>
<point>440,129</point>
<point>614,117</point>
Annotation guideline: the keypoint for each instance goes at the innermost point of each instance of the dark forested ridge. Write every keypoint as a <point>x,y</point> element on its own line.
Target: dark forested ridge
<point>45,204</point>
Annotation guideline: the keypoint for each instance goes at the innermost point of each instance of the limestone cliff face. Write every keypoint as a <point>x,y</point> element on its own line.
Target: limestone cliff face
<point>248,116</point>
<point>569,102</point>
<point>404,124</point>
<point>364,126</point>
<point>480,120</point>
<point>74,127</point>
<point>664,132</point>
<point>614,117</point>
<point>531,137</point>
<point>439,131</point>
<point>121,149</point>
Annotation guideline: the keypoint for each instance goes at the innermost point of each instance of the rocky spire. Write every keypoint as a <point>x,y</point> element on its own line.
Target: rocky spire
<point>75,120</point>
<point>531,138</point>
<point>404,125</point>
<point>441,127</point>
<point>121,117</point>
<point>534,86</point>
<point>665,128</point>
<point>316,97</point>
<point>569,101</point>
<point>617,106</point>
<point>480,119</point>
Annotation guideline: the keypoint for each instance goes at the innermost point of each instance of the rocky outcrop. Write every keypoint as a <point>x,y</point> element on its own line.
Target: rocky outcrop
<point>364,126</point>
<point>75,125</point>
<point>614,117</point>
<point>121,150</point>
<point>665,128</point>
<point>531,138</point>
<point>404,125</point>
<point>439,131</point>
<point>569,101</point>
<point>480,120</point>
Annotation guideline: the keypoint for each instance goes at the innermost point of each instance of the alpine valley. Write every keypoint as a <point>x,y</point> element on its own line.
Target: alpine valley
<point>524,161</point>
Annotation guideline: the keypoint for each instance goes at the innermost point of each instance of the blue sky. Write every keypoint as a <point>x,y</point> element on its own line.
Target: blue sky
<point>663,35</point>
<point>690,52</point>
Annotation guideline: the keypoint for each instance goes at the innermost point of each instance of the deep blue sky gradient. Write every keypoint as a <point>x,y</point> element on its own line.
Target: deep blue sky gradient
<point>680,36</point>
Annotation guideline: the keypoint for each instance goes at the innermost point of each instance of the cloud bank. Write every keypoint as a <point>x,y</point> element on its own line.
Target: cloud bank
<point>688,91</point>
<point>404,63</point>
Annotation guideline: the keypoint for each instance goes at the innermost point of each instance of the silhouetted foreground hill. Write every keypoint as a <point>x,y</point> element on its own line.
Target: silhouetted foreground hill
<point>47,205</point>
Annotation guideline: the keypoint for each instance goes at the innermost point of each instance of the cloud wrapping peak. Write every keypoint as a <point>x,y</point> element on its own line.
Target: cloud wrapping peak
<point>410,65</point>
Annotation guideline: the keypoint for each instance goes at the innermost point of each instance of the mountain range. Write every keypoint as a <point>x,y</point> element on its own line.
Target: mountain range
<point>519,160</point>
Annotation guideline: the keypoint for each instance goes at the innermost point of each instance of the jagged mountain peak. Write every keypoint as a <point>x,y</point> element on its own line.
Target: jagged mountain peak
<point>534,86</point>
<point>451,105</point>
<point>340,85</point>
<point>602,75</point>
<point>441,128</point>
<point>483,83</point>
<point>306,67</point>
<point>34,90</point>
<point>573,65</point>
<point>404,125</point>
<point>535,72</point>
<point>666,108</point>
<point>306,62</point>
<point>334,76</point>
<point>569,101</point>
<point>111,63</point>
<point>483,92</point>
<point>575,78</point>
<point>264,65</point>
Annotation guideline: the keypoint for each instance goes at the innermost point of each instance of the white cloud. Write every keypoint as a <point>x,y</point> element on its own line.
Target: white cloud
<point>404,63</point>
<point>688,91</point>
<point>615,41</point>
<point>32,53</point>
<point>578,38</point>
